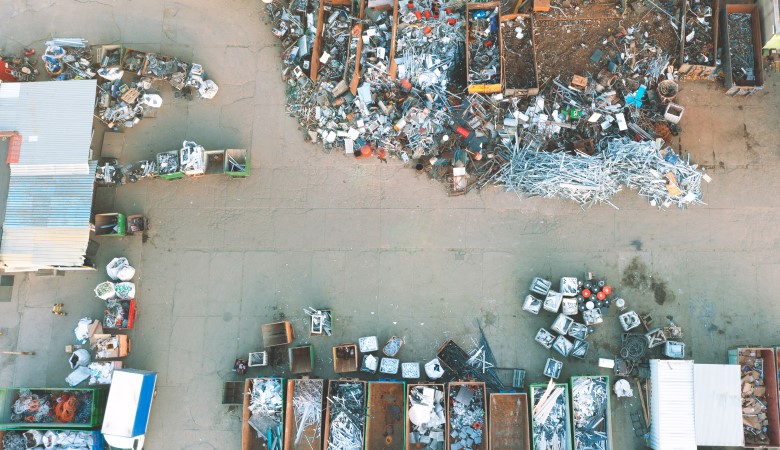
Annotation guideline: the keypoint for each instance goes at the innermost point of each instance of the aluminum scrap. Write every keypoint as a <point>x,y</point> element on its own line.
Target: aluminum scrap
<point>426,417</point>
<point>484,67</point>
<point>590,180</point>
<point>266,404</point>
<point>347,415</point>
<point>307,408</point>
<point>467,415</point>
<point>700,45</point>
<point>590,409</point>
<point>550,421</point>
<point>428,45</point>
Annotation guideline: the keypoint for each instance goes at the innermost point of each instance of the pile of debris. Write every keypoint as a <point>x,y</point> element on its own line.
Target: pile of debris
<point>466,415</point>
<point>266,403</point>
<point>347,415</point>
<point>307,408</point>
<point>549,410</point>
<point>48,439</point>
<point>581,138</point>
<point>427,417</point>
<point>126,77</point>
<point>590,409</point>
<point>754,398</point>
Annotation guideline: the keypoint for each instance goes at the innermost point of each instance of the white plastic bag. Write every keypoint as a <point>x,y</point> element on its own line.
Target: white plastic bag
<point>126,273</point>
<point>77,376</point>
<point>116,264</point>
<point>208,89</point>
<point>125,290</point>
<point>82,329</point>
<point>105,290</point>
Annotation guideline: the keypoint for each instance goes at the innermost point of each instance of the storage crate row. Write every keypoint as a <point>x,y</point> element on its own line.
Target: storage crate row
<point>321,414</point>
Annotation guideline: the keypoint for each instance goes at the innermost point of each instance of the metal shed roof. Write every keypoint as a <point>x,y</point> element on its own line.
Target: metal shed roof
<point>50,189</point>
<point>53,117</point>
<point>672,423</point>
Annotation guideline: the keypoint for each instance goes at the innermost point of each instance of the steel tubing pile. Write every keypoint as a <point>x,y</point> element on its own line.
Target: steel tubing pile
<point>658,175</point>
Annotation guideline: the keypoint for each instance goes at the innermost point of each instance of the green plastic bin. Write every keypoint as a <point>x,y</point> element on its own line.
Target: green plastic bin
<point>167,173</point>
<point>237,162</point>
<point>535,392</point>
<point>110,224</point>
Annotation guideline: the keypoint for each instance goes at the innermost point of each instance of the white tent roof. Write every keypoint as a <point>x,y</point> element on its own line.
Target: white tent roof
<point>673,425</point>
<point>716,389</point>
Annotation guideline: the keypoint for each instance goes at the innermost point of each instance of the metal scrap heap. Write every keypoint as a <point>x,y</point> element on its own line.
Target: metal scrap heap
<point>266,404</point>
<point>426,417</point>
<point>583,138</point>
<point>550,418</point>
<point>347,416</point>
<point>590,407</point>
<point>307,408</point>
<point>467,415</point>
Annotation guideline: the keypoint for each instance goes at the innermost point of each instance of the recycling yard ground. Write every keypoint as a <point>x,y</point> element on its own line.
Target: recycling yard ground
<point>382,246</point>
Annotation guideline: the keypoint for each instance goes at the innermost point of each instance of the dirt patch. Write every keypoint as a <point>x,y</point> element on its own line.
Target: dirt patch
<point>635,276</point>
<point>661,292</point>
<point>519,64</point>
<point>584,41</point>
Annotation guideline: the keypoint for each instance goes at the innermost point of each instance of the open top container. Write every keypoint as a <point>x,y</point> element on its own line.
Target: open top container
<point>77,435</point>
<point>471,427</point>
<point>700,70</point>
<point>82,408</point>
<point>518,56</point>
<point>236,162</point>
<point>475,87</point>
<point>349,413</point>
<point>431,399</point>
<point>169,165</point>
<point>110,224</point>
<point>509,422</point>
<point>345,358</point>
<point>305,398</point>
<point>250,439</point>
<point>121,316</point>
<point>734,87</point>
<point>381,5</point>
<point>550,411</point>
<point>386,416</point>
<point>318,39</point>
<point>215,162</point>
<point>301,359</point>
<point>587,412</point>
<point>277,333</point>
<point>763,361</point>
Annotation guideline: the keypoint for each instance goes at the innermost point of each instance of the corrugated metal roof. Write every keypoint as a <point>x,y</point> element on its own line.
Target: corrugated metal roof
<point>56,201</point>
<point>672,421</point>
<point>50,189</point>
<point>53,117</point>
<point>718,400</point>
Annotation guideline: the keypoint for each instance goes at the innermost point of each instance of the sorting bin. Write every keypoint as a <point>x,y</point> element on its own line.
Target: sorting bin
<point>509,428</point>
<point>535,393</point>
<point>249,437</point>
<point>92,399</point>
<point>358,414</point>
<point>310,438</point>
<point>605,423</point>
<point>386,415</point>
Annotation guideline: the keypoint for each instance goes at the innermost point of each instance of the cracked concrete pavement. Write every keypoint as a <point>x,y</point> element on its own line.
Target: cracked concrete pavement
<point>385,248</point>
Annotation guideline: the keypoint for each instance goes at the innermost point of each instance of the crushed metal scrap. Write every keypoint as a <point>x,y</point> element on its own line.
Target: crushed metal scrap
<point>583,138</point>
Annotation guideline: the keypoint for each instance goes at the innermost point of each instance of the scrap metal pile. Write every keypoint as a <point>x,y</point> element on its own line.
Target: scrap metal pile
<point>754,398</point>
<point>549,410</point>
<point>583,138</point>
<point>347,415</point>
<point>34,406</point>
<point>467,415</point>
<point>307,408</point>
<point>700,38</point>
<point>126,77</point>
<point>590,409</point>
<point>740,33</point>
<point>266,403</point>
<point>427,417</point>
<point>48,439</point>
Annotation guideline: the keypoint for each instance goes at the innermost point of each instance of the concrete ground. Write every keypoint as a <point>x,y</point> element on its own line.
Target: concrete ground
<point>385,248</point>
